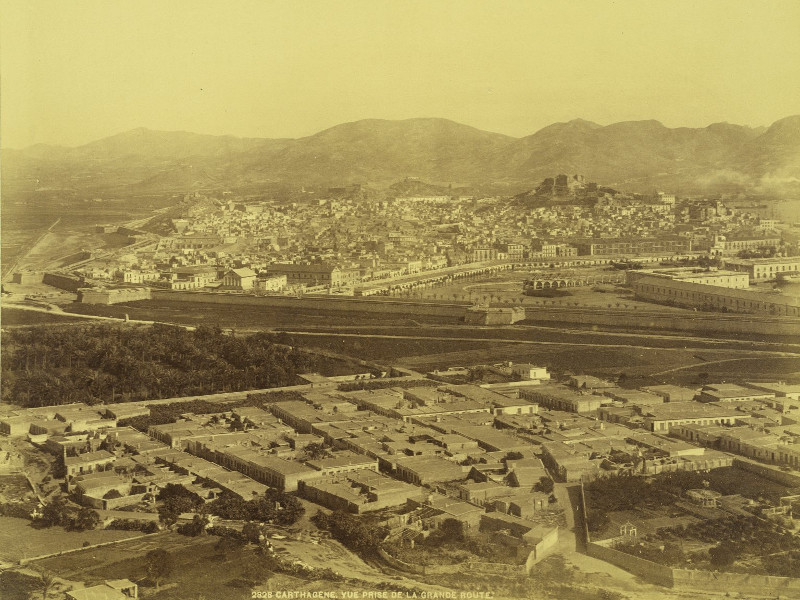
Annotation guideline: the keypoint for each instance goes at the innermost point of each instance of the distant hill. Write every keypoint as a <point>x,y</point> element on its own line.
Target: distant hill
<point>634,155</point>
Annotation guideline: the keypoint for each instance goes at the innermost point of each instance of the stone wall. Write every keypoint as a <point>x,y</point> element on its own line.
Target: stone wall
<point>771,473</point>
<point>63,282</point>
<point>112,296</point>
<point>456,310</point>
<point>647,570</point>
<point>669,321</point>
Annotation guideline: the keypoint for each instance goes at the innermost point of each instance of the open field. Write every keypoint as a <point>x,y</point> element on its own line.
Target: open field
<point>10,317</point>
<point>645,357</point>
<point>84,563</point>
<point>250,318</point>
<point>202,570</point>
<point>733,480</point>
<point>18,539</point>
<point>641,363</point>
<point>26,214</point>
<point>242,317</point>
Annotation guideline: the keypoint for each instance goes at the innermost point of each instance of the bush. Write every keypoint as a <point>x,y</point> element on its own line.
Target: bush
<point>222,531</point>
<point>133,525</point>
<point>723,554</point>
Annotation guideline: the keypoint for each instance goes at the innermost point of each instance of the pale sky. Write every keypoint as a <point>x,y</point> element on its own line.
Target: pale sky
<point>78,70</point>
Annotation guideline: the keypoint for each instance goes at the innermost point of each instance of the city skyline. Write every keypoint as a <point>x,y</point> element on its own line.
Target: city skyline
<point>79,73</point>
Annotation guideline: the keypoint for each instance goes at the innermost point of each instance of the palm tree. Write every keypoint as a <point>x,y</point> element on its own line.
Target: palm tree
<point>45,583</point>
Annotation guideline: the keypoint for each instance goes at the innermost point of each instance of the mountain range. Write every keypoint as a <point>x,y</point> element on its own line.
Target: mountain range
<point>633,156</point>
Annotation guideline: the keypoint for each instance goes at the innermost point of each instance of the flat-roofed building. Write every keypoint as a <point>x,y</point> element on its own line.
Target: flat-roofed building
<point>672,393</point>
<point>270,470</point>
<point>275,283</point>
<point>638,397</point>
<point>359,491</point>
<point>343,462</point>
<point>483,492</point>
<point>729,245</point>
<point>529,371</point>
<point>712,297</point>
<point>666,245</point>
<point>765,269</point>
<point>434,509</point>
<point>730,392</point>
<point>312,275</point>
<point>704,276</point>
<point>88,462</point>
<point>663,417</point>
<point>563,398</point>
<point>423,470</point>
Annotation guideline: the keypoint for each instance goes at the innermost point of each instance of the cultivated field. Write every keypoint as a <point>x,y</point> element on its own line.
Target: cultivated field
<point>19,540</point>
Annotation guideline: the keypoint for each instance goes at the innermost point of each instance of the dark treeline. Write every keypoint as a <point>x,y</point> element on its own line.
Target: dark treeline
<point>104,363</point>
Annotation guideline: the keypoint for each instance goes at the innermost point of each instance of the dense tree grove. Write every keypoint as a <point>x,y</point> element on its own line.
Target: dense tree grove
<point>627,492</point>
<point>58,513</point>
<point>273,507</point>
<point>354,532</point>
<point>44,366</point>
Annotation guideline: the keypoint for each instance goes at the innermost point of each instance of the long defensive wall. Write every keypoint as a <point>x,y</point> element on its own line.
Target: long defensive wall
<point>689,321</point>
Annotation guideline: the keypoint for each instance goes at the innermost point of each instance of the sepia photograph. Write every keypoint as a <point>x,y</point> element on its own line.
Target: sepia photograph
<point>400,300</point>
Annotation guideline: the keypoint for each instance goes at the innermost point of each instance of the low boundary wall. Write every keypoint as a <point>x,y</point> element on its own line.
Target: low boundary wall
<point>382,305</point>
<point>669,321</point>
<point>63,282</point>
<point>771,473</point>
<point>647,570</point>
<point>691,579</point>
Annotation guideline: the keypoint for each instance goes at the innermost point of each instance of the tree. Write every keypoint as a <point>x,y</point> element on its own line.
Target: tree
<point>159,565</point>
<point>544,485</point>
<point>230,506</point>
<point>352,531</point>
<point>196,527</point>
<point>56,512</point>
<point>227,544</point>
<point>291,510</point>
<point>316,451</point>
<point>723,554</point>
<point>45,583</point>
<point>86,519</point>
<point>173,507</point>
<point>262,509</point>
<point>252,532</point>
<point>452,530</point>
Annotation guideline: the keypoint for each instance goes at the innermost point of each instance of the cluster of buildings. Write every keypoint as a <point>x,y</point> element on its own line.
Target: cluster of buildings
<point>723,290</point>
<point>423,453</point>
<point>344,239</point>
